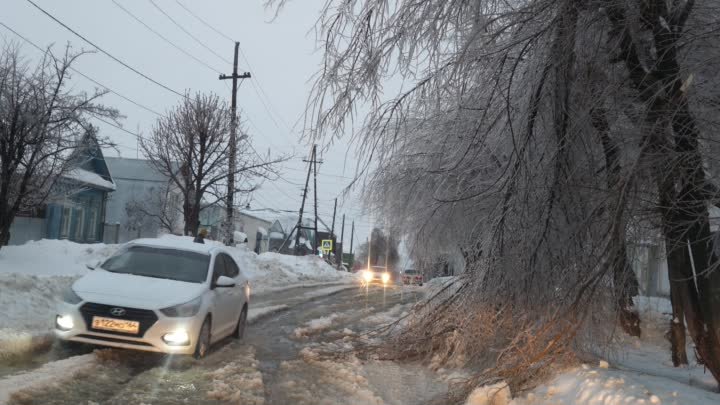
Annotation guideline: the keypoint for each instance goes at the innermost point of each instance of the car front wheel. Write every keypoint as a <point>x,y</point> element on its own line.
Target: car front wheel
<point>203,343</point>
<point>242,321</point>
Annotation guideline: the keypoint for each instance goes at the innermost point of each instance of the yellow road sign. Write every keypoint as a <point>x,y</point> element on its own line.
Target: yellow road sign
<point>327,245</point>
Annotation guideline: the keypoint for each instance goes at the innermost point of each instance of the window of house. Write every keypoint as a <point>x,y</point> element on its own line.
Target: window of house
<point>92,224</point>
<point>65,224</point>
<point>80,225</point>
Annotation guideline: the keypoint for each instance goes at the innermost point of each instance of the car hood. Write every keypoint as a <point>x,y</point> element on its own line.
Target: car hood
<point>133,291</point>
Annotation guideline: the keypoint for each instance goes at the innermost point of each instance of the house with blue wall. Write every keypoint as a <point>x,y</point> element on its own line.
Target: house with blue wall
<point>76,209</point>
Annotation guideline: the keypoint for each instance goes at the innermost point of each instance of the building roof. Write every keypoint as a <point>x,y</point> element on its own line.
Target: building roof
<point>134,169</point>
<point>90,178</point>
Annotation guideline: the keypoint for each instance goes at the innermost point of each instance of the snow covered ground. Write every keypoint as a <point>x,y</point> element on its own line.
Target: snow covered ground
<point>34,275</point>
<point>639,372</point>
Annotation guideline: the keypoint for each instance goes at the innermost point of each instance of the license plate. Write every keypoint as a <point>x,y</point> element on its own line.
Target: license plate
<point>116,325</point>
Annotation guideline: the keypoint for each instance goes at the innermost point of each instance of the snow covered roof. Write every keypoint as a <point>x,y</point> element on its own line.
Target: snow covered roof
<point>90,178</point>
<point>134,169</point>
<point>267,215</point>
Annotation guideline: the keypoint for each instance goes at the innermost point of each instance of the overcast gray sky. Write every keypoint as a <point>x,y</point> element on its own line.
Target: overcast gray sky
<point>281,56</point>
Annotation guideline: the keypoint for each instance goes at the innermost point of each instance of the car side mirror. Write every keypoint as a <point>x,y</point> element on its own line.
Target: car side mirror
<point>92,266</point>
<point>224,281</point>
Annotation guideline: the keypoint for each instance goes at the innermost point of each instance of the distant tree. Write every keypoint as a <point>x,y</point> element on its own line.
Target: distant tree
<point>382,247</point>
<point>158,209</point>
<point>42,120</point>
<point>190,146</point>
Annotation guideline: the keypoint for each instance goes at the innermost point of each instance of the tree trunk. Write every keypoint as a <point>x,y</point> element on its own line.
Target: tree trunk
<point>680,174</point>
<point>4,231</point>
<point>676,333</point>
<point>625,284</point>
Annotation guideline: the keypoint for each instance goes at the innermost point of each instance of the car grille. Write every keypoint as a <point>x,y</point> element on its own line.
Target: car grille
<point>146,317</point>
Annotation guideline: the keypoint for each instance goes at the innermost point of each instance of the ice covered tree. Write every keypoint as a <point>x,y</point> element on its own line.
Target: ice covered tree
<point>42,120</point>
<point>538,138</point>
<point>190,146</point>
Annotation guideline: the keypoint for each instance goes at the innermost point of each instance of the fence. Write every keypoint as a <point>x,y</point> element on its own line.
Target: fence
<point>25,229</point>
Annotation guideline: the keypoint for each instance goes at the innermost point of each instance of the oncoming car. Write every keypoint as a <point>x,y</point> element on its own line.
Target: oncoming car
<point>412,277</point>
<point>376,275</point>
<point>157,295</point>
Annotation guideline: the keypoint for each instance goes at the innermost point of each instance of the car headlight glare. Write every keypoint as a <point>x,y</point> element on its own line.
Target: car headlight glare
<point>71,297</point>
<point>185,310</point>
<point>177,338</point>
<point>368,275</point>
<point>64,322</point>
<point>385,278</point>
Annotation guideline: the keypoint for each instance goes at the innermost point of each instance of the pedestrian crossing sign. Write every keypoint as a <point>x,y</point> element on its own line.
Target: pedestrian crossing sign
<point>327,245</point>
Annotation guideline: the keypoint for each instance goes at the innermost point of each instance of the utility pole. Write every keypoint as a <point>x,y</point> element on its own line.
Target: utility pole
<point>332,227</point>
<point>315,245</point>
<point>232,155</point>
<point>299,227</point>
<point>352,235</point>
<point>342,243</point>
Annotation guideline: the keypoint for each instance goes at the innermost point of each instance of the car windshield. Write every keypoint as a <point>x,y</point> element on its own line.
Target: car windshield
<point>411,272</point>
<point>172,264</point>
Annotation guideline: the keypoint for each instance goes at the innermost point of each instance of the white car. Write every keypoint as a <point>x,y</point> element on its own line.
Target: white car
<point>159,295</point>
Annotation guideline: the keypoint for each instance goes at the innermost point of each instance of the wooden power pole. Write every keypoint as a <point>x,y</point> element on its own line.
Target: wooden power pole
<point>299,227</point>
<point>228,226</point>
<point>342,242</point>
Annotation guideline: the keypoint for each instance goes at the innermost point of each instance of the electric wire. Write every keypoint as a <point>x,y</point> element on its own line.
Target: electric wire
<point>108,54</point>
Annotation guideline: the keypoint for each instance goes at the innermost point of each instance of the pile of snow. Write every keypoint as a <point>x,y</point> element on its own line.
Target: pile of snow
<point>274,271</point>
<point>33,277</point>
<point>254,314</point>
<point>313,381</point>
<point>239,382</point>
<point>315,325</point>
<point>589,386</point>
<point>52,257</point>
<point>51,373</point>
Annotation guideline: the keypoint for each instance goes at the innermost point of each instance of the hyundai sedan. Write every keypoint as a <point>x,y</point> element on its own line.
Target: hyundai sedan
<point>159,295</point>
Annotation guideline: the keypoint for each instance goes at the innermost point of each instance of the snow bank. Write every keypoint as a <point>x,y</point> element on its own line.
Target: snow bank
<point>52,257</point>
<point>254,314</point>
<point>274,271</point>
<point>32,278</point>
<point>613,387</point>
<point>315,325</point>
<point>51,373</point>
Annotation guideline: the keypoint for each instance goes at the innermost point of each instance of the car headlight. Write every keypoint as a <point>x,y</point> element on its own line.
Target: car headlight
<point>64,322</point>
<point>177,338</point>
<point>189,308</point>
<point>385,278</point>
<point>70,297</point>
<point>367,275</point>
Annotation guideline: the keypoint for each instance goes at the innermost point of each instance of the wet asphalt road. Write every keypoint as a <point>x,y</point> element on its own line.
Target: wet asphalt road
<point>258,369</point>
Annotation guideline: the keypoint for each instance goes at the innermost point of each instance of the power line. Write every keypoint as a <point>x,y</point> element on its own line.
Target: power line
<point>188,33</point>
<point>106,52</point>
<point>198,60</point>
<point>257,89</point>
<point>138,136</point>
<point>83,74</point>
<point>204,22</point>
